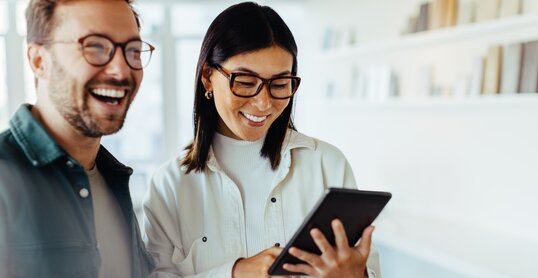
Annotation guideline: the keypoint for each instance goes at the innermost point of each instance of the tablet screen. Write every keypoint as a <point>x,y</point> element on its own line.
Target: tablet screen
<point>357,209</point>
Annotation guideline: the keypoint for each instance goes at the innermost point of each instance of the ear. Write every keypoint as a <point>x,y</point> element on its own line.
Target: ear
<point>35,54</point>
<point>206,74</point>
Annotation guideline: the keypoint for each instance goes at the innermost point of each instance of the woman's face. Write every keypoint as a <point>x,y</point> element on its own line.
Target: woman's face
<point>249,118</point>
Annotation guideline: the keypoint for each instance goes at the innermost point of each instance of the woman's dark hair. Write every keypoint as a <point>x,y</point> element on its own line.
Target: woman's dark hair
<point>241,28</point>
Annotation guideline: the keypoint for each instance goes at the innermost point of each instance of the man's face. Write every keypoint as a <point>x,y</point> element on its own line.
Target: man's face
<point>92,99</point>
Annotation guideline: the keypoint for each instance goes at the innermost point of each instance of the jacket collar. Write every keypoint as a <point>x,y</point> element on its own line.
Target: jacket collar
<point>36,143</point>
<point>41,149</point>
<point>293,140</point>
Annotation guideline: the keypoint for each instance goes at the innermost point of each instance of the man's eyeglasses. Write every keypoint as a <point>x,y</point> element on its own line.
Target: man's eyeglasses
<point>99,50</point>
<point>249,85</point>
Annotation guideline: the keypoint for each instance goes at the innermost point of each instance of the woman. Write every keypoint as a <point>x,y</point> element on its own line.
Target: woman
<point>248,179</point>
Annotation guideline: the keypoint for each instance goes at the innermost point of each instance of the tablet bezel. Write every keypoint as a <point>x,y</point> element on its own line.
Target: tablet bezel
<point>335,203</point>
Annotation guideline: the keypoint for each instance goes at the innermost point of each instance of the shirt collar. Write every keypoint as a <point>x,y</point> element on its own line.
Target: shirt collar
<point>109,166</point>
<point>36,143</point>
<point>41,149</point>
<point>293,140</point>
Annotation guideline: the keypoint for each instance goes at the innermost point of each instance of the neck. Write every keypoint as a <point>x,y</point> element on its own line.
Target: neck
<point>82,148</point>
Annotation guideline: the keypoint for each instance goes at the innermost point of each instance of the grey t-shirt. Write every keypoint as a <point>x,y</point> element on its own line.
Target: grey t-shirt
<point>111,229</point>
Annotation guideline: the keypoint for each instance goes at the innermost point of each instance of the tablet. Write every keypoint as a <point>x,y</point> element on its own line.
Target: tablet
<point>357,209</point>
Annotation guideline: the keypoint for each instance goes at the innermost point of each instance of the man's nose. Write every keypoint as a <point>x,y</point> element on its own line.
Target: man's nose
<point>118,66</point>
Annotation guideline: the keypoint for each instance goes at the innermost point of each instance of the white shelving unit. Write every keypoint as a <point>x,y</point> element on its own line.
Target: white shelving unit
<point>512,101</point>
<point>461,169</point>
<point>449,52</point>
<point>487,31</point>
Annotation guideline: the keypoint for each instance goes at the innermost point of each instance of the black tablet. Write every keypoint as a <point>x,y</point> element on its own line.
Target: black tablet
<point>357,209</point>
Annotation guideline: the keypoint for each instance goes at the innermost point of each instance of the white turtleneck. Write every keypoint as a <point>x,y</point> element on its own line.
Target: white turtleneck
<point>253,175</point>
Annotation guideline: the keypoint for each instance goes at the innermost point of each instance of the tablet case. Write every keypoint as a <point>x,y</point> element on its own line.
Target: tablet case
<point>357,209</point>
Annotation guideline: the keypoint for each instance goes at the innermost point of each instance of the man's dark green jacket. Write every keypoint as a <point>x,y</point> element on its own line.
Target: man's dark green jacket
<point>47,224</point>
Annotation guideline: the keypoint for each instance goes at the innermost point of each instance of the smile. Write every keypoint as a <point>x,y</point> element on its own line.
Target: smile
<point>254,118</point>
<point>110,96</point>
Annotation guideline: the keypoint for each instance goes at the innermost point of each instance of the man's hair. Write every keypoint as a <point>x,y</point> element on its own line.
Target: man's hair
<point>40,20</point>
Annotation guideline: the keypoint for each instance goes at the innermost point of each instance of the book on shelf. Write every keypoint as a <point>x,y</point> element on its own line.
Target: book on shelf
<point>486,9</point>
<point>509,8</point>
<point>423,18</point>
<point>466,12</point>
<point>492,71</point>
<point>477,77</point>
<point>425,81</point>
<point>381,82</point>
<point>411,25</point>
<point>442,14</point>
<point>461,90</point>
<point>450,9</point>
<point>528,81</point>
<point>433,15</point>
<point>353,88</point>
<point>361,86</point>
<point>511,63</point>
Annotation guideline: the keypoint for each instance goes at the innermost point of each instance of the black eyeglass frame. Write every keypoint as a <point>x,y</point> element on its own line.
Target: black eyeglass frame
<point>115,45</point>
<point>232,75</point>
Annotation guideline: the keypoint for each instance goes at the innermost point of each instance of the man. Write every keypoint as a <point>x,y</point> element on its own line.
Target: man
<point>65,208</point>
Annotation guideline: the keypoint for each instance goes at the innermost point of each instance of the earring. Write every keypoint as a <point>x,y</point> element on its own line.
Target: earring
<point>208,94</point>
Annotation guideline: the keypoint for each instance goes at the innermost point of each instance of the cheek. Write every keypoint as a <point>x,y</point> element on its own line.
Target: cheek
<point>280,105</point>
<point>228,104</point>
<point>138,75</point>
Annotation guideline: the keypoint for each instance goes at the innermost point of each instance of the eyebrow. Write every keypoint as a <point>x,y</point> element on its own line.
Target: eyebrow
<point>287,72</point>
<point>136,37</point>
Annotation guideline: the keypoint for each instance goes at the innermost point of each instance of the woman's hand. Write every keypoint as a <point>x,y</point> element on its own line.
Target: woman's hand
<point>257,265</point>
<point>339,261</point>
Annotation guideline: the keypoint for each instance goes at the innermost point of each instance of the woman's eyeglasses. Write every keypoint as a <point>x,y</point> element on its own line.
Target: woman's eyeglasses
<point>249,85</point>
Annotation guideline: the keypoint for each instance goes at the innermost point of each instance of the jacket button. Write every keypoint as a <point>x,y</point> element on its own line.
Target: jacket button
<point>204,239</point>
<point>84,193</point>
<point>69,164</point>
<point>273,200</point>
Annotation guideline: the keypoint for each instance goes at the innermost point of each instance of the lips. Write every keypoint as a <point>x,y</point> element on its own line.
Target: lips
<point>256,119</point>
<point>108,95</point>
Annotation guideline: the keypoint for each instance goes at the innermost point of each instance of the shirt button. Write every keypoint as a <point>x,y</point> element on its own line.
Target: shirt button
<point>69,164</point>
<point>277,244</point>
<point>273,200</point>
<point>84,193</point>
<point>204,239</point>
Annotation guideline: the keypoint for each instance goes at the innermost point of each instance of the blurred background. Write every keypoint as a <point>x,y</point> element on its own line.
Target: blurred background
<point>434,101</point>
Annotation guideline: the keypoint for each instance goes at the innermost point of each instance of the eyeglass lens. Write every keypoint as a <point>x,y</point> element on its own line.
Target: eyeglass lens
<point>246,85</point>
<point>99,51</point>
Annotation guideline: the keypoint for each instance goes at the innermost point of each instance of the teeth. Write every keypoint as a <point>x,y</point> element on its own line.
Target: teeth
<point>254,118</point>
<point>109,93</point>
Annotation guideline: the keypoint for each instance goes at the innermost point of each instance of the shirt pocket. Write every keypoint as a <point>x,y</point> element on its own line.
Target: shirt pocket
<point>201,257</point>
<point>57,259</point>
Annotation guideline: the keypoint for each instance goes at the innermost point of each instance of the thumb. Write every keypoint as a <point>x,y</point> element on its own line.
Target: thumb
<point>275,251</point>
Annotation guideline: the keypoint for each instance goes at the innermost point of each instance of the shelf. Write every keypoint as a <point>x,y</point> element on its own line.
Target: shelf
<point>524,100</point>
<point>473,31</point>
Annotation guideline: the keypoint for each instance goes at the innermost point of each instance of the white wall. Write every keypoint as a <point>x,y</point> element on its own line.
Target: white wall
<point>462,172</point>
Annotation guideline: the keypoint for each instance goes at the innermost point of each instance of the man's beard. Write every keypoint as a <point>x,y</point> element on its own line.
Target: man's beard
<point>75,110</point>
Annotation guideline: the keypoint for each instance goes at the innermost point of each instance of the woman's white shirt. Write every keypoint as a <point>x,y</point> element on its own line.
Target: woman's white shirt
<point>242,163</point>
<point>195,223</point>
